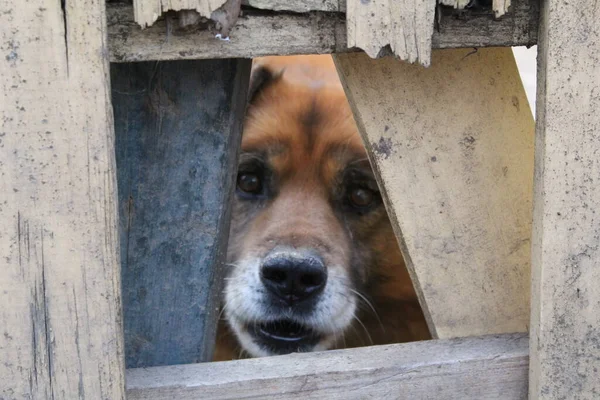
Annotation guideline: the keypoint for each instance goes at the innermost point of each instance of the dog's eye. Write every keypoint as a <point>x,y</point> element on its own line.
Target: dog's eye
<point>249,183</point>
<point>361,197</point>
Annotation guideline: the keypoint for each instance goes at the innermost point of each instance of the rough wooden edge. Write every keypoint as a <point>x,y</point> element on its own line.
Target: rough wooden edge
<point>403,27</point>
<point>487,367</point>
<point>146,12</point>
<point>267,33</point>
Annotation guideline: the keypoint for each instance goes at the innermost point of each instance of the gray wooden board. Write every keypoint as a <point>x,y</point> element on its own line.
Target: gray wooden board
<point>488,367</point>
<point>178,126</point>
<point>267,33</point>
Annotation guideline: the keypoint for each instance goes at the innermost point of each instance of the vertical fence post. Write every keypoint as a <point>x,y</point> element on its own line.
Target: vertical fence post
<point>60,319</point>
<point>565,318</point>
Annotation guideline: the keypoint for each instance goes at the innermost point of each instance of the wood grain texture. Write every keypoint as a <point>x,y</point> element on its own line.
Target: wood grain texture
<point>178,126</point>
<point>298,6</point>
<point>146,12</point>
<point>60,319</point>
<point>452,146</point>
<point>565,319</point>
<point>260,34</point>
<point>481,368</point>
<point>405,26</point>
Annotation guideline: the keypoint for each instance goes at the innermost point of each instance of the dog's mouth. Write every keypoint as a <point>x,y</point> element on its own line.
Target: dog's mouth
<point>284,336</point>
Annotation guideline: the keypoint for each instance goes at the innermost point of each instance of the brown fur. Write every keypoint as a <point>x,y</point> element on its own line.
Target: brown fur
<point>300,121</point>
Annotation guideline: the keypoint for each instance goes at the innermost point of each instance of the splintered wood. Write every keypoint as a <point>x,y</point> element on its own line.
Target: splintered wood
<point>406,26</point>
<point>146,12</point>
<point>500,6</point>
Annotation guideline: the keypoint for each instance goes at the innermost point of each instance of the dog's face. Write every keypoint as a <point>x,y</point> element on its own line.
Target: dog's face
<point>307,213</point>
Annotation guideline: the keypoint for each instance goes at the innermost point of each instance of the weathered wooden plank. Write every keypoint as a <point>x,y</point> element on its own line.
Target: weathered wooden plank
<point>482,368</point>
<point>565,318</point>
<point>403,26</point>
<point>60,319</point>
<point>453,149</point>
<point>178,126</point>
<point>257,34</point>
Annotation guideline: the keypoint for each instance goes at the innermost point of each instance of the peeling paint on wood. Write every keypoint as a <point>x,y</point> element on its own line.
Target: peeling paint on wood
<point>565,317</point>
<point>60,319</point>
<point>452,146</point>
<point>178,126</point>
<point>406,26</point>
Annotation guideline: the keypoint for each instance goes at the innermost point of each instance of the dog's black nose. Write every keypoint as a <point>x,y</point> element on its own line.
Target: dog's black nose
<point>292,277</point>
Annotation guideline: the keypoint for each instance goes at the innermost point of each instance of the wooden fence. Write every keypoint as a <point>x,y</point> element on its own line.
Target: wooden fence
<point>500,235</point>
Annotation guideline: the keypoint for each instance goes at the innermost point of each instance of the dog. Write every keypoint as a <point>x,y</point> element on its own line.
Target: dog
<point>312,262</point>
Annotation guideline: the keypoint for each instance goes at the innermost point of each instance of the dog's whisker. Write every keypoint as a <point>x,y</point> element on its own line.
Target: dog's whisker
<point>364,298</point>
<point>364,328</point>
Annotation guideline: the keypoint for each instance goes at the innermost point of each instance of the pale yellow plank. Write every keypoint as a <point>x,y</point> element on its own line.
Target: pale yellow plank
<point>565,319</point>
<point>60,311</point>
<point>453,147</point>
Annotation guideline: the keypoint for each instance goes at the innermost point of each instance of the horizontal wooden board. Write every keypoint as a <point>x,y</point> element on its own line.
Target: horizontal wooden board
<point>487,367</point>
<point>266,33</point>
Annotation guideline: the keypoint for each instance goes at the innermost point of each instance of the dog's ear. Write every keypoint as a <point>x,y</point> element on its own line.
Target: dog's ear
<point>261,78</point>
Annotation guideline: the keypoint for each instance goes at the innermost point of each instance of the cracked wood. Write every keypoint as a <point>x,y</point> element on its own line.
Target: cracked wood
<point>60,320</point>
